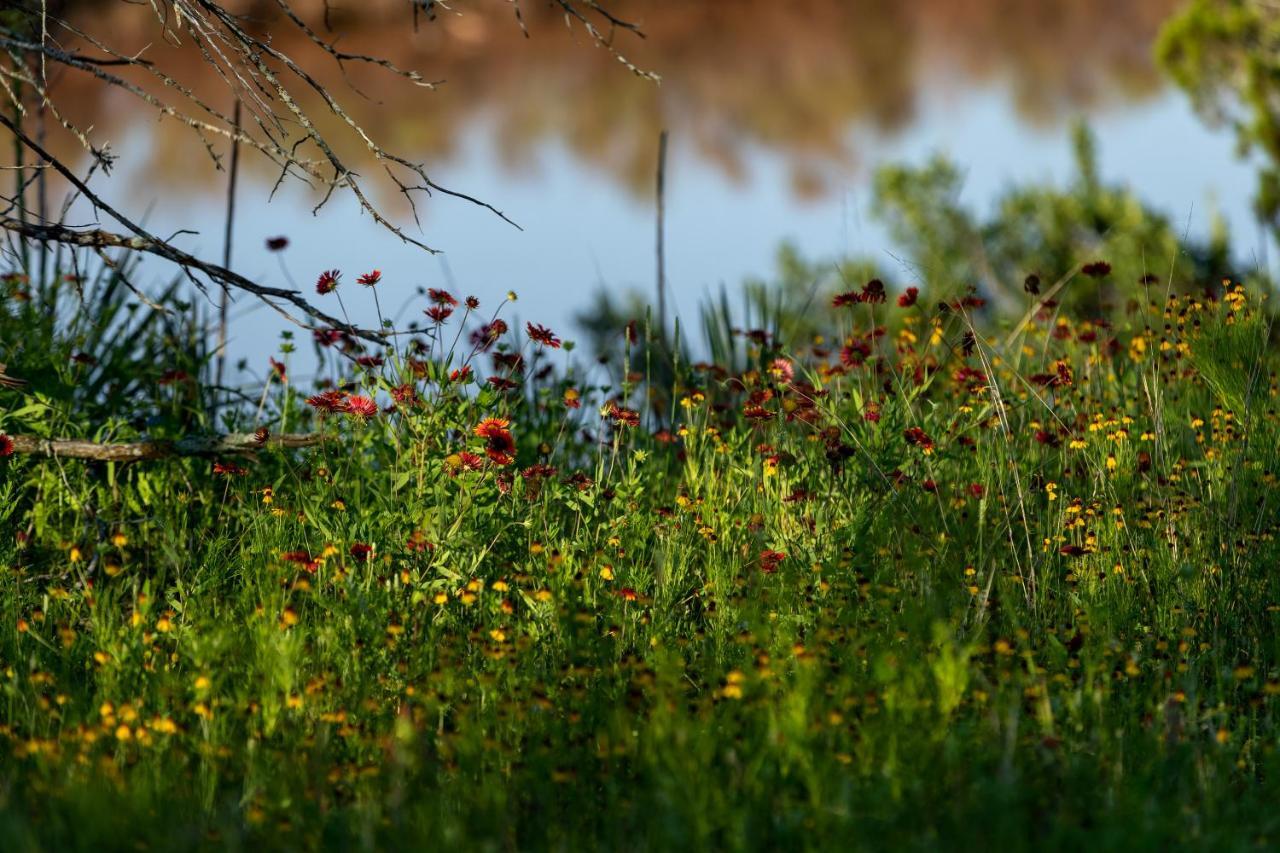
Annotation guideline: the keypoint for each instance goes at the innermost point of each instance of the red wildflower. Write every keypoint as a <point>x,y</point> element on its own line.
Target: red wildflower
<point>757,413</point>
<point>443,297</point>
<point>327,282</point>
<point>929,486</point>
<point>301,558</point>
<point>261,434</point>
<point>512,362</point>
<point>770,560</point>
<point>438,313</point>
<point>542,335</point>
<point>461,374</point>
<point>418,542</point>
<point>328,401</point>
<point>1071,551</point>
<point>369,279</point>
<point>488,334</point>
<point>405,395</point>
<point>360,552</point>
<point>469,461</point>
<point>873,292</point>
<point>783,369</point>
<point>977,490</point>
<point>169,377</point>
<point>1096,269</point>
<point>499,444</point>
<point>278,368</point>
<point>580,481</point>
<point>229,469</point>
<point>855,353</point>
<point>276,244</point>
<point>360,407</point>
<point>472,303</point>
<point>1046,437</point>
<point>6,445</point>
<point>840,300</point>
<point>918,437</point>
<point>369,361</point>
<point>622,416</point>
<point>501,383</point>
<point>907,299</point>
<point>327,337</point>
<point>627,594</point>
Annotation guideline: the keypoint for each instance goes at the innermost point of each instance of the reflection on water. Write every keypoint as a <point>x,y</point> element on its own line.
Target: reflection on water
<point>778,112</point>
<point>791,77</point>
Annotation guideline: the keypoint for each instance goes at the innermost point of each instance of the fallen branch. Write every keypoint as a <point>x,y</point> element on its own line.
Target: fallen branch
<point>203,445</point>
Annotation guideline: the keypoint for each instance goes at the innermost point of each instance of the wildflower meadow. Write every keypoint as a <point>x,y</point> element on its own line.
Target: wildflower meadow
<point>927,580</point>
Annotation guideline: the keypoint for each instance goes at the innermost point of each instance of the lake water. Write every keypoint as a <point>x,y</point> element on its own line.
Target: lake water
<point>777,120</point>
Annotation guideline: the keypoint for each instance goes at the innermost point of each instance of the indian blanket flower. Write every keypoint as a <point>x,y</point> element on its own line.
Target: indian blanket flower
<point>301,558</point>
<point>770,560</point>
<point>328,402</point>
<point>623,416</point>
<point>6,445</point>
<point>855,352</point>
<point>919,438</point>
<point>488,334</point>
<point>909,297</point>
<point>542,335</point>
<point>277,244</point>
<point>369,279</point>
<point>360,407</point>
<point>361,552</point>
<point>1096,269</point>
<point>444,297</point>
<point>327,337</point>
<point>438,313</point>
<point>500,447</point>
<point>229,469</point>
<point>405,395</point>
<point>328,281</point>
<point>469,461</point>
<point>782,369</point>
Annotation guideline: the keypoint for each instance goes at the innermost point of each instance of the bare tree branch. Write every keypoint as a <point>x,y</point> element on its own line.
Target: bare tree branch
<point>205,445</point>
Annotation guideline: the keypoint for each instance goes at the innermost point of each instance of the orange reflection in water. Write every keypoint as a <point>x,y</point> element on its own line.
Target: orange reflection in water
<point>791,77</point>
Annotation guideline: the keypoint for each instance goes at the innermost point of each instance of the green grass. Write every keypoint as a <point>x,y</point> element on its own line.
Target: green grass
<point>774,614</point>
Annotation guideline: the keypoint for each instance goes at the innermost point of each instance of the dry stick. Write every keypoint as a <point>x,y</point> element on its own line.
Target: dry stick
<point>224,304</point>
<point>661,249</point>
<point>203,445</point>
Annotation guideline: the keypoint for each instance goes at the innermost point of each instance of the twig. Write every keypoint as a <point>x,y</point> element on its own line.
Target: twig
<point>205,445</point>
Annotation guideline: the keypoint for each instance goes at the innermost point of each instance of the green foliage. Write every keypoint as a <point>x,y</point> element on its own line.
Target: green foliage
<point>948,251</point>
<point>1226,55</point>
<point>951,590</point>
<point>1038,230</point>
